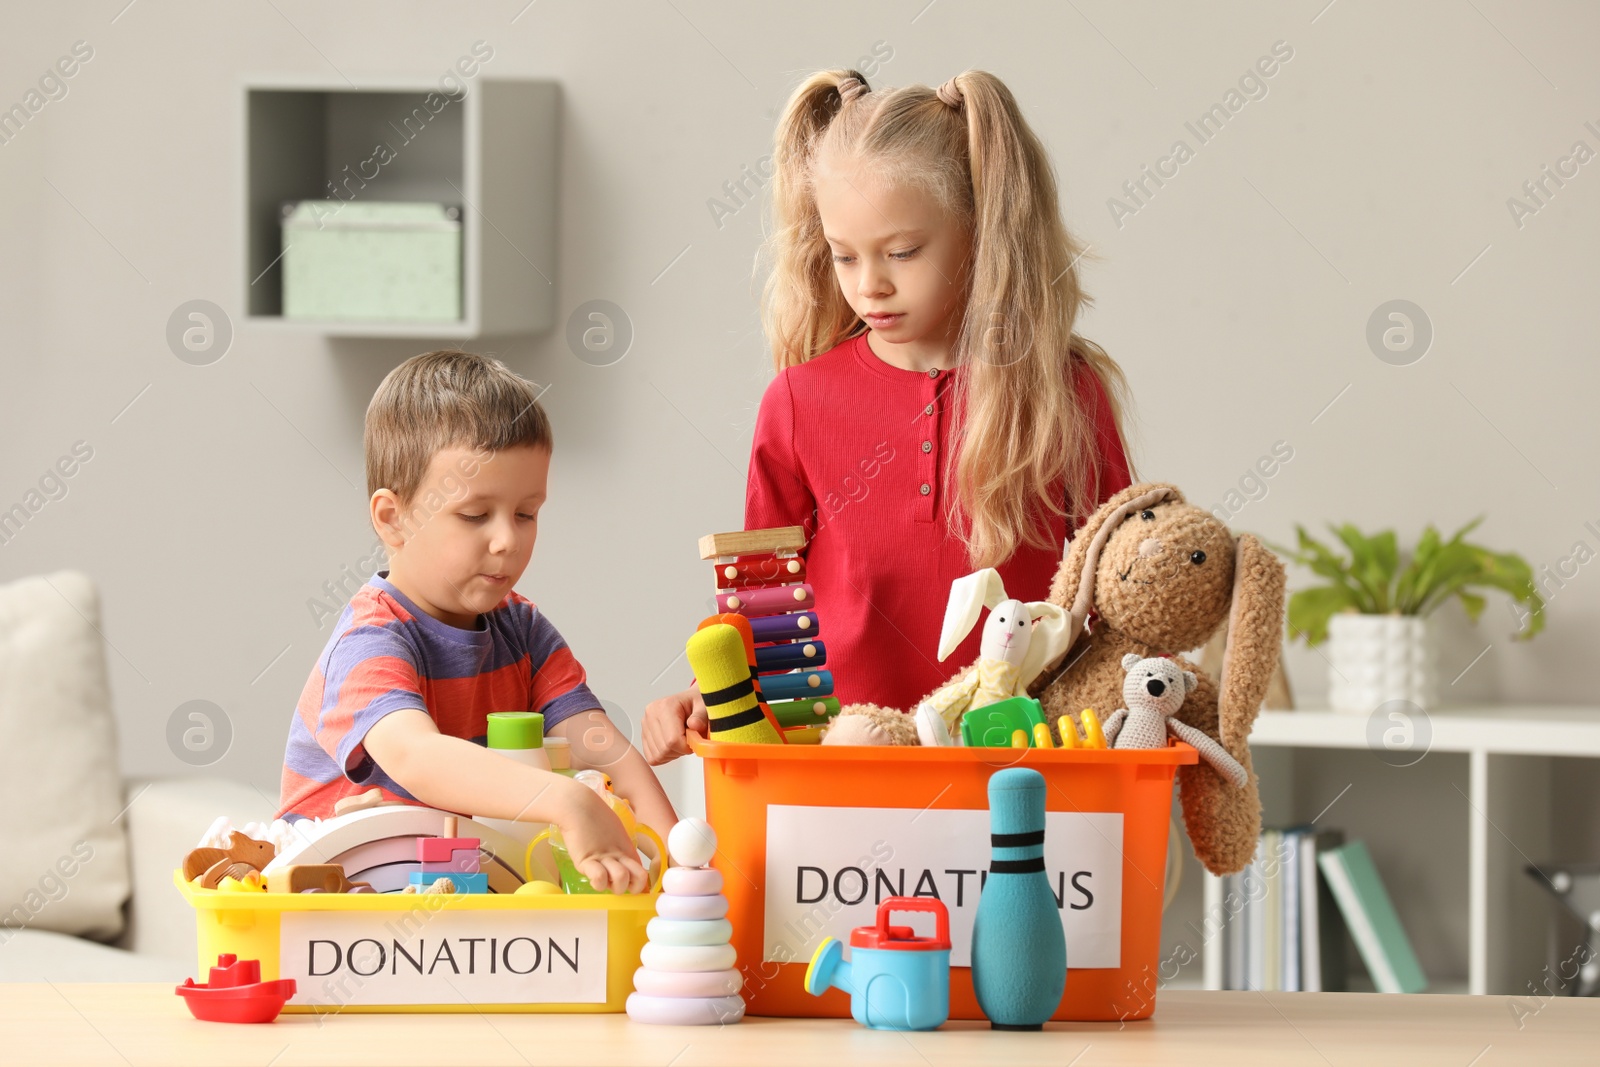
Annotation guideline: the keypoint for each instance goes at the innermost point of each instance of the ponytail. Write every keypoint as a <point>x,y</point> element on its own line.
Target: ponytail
<point>803,311</point>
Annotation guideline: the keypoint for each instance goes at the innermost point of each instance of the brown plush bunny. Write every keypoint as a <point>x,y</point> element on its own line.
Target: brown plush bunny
<point>1161,576</point>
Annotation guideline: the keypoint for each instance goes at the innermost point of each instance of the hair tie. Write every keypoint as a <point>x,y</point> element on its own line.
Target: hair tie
<point>950,94</point>
<point>850,88</point>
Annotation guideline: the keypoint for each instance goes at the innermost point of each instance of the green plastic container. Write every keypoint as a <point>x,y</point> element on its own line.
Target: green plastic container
<point>371,262</point>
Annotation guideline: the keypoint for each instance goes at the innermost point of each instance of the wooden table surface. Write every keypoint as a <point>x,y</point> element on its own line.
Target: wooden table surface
<point>61,1025</point>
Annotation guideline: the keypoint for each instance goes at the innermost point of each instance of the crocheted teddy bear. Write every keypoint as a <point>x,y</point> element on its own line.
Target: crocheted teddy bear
<point>1153,692</point>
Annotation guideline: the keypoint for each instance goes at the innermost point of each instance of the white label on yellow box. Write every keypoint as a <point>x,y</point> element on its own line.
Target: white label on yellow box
<point>345,958</point>
<point>828,868</point>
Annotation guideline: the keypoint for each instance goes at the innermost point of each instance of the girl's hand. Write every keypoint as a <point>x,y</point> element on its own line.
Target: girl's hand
<point>600,848</point>
<point>666,722</point>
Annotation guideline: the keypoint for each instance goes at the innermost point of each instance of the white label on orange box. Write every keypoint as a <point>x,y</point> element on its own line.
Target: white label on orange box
<point>828,868</point>
<point>450,956</point>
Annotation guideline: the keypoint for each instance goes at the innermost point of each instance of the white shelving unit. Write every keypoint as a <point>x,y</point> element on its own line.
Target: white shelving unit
<point>1505,800</point>
<point>492,151</point>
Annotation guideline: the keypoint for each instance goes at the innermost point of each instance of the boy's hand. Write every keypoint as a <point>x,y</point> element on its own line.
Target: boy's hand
<point>599,846</point>
<point>666,721</point>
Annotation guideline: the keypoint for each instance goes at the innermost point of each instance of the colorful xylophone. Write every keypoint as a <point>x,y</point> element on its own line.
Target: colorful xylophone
<point>760,577</point>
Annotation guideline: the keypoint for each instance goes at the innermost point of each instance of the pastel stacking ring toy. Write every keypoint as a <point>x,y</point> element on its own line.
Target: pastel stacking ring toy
<point>688,977</point>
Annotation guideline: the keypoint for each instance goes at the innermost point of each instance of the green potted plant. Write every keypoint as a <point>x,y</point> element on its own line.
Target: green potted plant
<point>1373,607</point>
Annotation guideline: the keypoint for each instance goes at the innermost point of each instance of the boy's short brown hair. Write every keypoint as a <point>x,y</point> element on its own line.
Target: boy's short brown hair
<point>442,399</point>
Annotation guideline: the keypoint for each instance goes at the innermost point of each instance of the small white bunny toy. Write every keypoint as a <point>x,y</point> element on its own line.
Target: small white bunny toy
<point>1154,690</point>
<point>1020,642</point>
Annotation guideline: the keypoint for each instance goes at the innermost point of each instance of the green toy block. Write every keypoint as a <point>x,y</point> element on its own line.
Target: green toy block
<point>992,725</point>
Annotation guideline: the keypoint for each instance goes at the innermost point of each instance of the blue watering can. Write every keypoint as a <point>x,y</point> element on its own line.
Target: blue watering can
<point>896,980</point>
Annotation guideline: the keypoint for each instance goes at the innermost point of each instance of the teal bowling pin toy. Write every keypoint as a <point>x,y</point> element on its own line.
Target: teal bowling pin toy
<point>1019,951</point>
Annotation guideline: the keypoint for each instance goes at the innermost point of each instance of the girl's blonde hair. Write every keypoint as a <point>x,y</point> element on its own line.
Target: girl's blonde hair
<point>1022,425</point>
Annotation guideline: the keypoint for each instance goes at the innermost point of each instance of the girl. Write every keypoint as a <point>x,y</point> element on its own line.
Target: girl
<point>933,412</point>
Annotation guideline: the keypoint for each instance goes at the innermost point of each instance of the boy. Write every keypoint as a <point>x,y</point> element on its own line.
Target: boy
<point>457,455</point>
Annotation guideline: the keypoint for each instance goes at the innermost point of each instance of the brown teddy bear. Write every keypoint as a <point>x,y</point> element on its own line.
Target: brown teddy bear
<point>1157,576</point>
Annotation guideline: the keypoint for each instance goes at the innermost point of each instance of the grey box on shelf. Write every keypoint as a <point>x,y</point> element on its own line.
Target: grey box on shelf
<point>372,262</point>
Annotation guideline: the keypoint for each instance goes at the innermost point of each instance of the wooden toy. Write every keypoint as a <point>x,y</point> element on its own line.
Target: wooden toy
<point>762,571</point>
<point>806,712</point>
<point>795,626</point>
<point>680,906</point>
<point>659,957</point>
<point>800,685</point>
<point>687,975</point>
<point>735,710</point>
<point>896,980</point>
<point>995,725</point>
<point>199,860</point>
<point>378,845</point>
<point>301,877</point>
<point>685,984</point>
<point>1019,949</point>
<point>756,602</point>
<point>689,931</point>
<point>781,542</point>
<point>235,993</point>
<point>444,850</point>
<point>248,850</point>
<point>691,881</point>
<point>760,577</point>
<point>796,655</point>
<point>211,864</point>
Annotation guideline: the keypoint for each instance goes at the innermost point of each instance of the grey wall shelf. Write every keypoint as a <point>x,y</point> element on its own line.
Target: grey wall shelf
<point>493,151</point>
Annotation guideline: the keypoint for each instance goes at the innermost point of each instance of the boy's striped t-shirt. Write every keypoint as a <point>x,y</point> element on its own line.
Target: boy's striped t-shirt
<point>387,654</point>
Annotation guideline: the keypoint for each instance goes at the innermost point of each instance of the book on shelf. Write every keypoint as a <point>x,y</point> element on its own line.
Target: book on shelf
<point>1373,923</point>
<point>1289,912</point>
<point>1280,927</point>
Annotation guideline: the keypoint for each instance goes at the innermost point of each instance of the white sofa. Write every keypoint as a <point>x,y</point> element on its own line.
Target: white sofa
<point>86,856</point>
<point>163,821</point>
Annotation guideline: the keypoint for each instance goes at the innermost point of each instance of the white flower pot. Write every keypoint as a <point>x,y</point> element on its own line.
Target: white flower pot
<point>1374,659</point>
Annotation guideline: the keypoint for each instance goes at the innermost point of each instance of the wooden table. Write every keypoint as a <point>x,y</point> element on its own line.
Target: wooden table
<point>61,1025</point>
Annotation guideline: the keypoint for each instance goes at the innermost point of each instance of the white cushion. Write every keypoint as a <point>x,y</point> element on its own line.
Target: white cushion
<point>63,853</point>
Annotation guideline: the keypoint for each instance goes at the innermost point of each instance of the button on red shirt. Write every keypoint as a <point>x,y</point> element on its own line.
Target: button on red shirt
<point>853,449</point>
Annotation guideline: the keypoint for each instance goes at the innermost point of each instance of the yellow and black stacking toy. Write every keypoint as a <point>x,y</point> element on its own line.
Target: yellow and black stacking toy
<point>733,706</point>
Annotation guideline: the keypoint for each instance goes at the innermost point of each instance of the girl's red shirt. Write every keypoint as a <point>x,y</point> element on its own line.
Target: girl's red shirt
<point>853,449</point>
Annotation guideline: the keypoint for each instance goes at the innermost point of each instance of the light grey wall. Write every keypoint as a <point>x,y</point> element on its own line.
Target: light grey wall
<point>1378,166</point>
